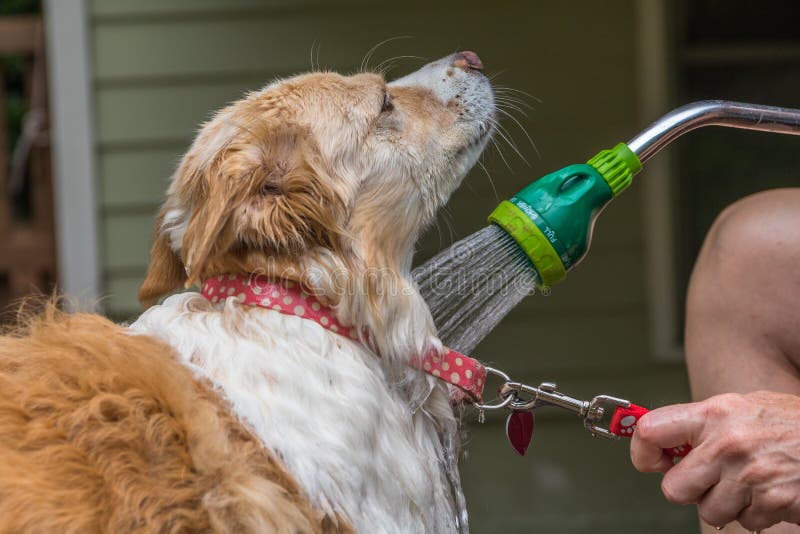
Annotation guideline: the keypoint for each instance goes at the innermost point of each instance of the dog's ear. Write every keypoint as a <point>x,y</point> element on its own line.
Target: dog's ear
<point>295,204</point>
<point>209,230</point>
<point>265,192</point>
<point>165,273</point>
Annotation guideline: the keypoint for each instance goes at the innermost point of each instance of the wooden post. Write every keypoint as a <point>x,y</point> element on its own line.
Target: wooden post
<point>27,246</point>
<point>5,204</point>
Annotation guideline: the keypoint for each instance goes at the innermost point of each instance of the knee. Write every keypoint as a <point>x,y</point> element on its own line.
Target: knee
<point>755,237</point>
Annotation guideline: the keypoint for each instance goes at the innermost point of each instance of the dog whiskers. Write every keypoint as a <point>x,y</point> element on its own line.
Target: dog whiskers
<point>520,92</point>
<point>511,97</point>
<point>505,136</point>
<point>448,221</point>
<point>496,74</point>
<point>491,180</point>
<point>390,63</point>
<point>509,104</point>
<point>496,145</point>
<point>364,67</point>
<point>311,55</point>
<point>521,127</point>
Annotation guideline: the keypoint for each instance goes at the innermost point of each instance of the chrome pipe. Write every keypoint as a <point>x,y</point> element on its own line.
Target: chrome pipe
<point>713,113</point>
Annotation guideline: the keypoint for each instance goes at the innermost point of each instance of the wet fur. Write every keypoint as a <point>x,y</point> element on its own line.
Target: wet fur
<point>104,431</point>
<point>104,428</point>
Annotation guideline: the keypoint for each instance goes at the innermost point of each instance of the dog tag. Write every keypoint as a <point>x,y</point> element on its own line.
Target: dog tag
<point>519,429</point>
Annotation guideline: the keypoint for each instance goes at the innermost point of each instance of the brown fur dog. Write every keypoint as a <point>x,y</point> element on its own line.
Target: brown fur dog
<point>101,431</point>
<point>209,415</point>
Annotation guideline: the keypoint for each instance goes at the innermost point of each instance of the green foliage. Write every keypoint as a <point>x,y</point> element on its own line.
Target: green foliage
<point>13,7</point>
<point>13,68</point>
<point>13,75</point>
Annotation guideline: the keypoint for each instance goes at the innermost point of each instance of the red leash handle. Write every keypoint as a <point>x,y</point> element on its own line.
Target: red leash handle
<point>623,424</point>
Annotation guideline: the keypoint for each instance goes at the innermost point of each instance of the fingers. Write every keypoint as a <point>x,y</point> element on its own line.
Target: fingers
<point>733,472</point>
<point>673,425</point>
<point>724,502</point>
<point>692,477</point>
<point>687,481</point>
<point>665,428</point>
<point>755,519</point>
<point>649,458</point>
<point>769,506</point>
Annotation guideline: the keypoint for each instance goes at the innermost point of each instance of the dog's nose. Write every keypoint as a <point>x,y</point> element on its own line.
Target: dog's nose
<point>467,60</point>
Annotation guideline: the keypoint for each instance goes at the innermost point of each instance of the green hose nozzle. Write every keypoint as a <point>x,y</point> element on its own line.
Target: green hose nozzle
<point>552,218</point>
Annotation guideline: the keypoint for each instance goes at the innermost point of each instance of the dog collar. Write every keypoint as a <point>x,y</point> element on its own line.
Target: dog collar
<point>287,297</point>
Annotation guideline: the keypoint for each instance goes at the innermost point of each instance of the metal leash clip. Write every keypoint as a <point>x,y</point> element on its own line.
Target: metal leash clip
<point>519,397</point>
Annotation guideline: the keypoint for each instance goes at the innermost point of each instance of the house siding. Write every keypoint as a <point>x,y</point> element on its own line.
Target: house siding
<point>162,66</point>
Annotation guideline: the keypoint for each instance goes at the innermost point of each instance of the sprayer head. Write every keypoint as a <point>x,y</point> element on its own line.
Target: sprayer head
<point>552,218</point>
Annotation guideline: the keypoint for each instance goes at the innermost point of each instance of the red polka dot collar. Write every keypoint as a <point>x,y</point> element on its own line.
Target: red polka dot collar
<point>286,297</point>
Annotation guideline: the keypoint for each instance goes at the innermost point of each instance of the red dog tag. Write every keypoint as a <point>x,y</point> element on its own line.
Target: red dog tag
<point>519,429</point>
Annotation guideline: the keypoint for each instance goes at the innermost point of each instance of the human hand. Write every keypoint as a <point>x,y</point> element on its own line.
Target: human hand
<point>745,461</point>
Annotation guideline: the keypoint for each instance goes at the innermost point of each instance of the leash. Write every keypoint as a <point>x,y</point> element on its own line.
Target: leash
<point>467,375</point>
<point>520,400</point>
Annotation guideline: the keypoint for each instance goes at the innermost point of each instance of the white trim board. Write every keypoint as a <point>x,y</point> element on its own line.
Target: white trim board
<point>656,80</point>
<point>70,90</point>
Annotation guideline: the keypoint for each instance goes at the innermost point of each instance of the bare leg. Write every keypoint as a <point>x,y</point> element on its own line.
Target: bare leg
<point>743,307</point>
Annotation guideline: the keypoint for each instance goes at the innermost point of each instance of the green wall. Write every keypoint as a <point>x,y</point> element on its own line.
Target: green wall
<point>161,66</point>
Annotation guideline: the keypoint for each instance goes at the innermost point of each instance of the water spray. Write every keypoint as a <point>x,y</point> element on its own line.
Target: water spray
<point>545,230</point>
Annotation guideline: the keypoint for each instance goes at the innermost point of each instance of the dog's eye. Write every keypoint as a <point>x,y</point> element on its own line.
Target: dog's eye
<point>268,190</point>
<point>387,105</point>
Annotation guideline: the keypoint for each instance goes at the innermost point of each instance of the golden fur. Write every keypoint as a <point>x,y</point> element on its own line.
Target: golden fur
<point>323,179</point>
<point>103,431</point>
<point>327,180</point>
<point>265,194</point>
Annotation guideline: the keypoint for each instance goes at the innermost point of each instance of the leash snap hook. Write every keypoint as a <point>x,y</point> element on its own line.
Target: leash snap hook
<point>505,393</point>
<point>597,408</point>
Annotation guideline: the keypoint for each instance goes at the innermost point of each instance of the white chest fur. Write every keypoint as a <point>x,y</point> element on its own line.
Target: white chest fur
<point>321,403</point>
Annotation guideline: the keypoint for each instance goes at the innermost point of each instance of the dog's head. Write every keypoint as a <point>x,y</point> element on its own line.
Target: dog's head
<point>321,168</point>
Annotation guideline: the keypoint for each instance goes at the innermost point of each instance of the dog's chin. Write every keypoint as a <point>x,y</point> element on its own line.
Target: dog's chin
<point>485,132</point>
<point>467,156</point>
<point>480,127</point>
